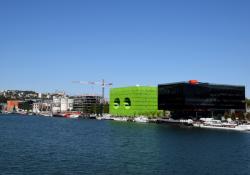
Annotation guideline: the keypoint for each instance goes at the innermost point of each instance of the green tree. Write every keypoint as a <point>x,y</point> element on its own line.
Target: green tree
<point>99,109</point>
<point>248,116</point>
<point>27,105</point>
<point>106,108</point>
<point>240,116</point>
<point>3,99</point>
<point>93,109</point>
<point>159,113</point>
<point>233,116</point>
<point>248,100</point>
<point>227,115</point>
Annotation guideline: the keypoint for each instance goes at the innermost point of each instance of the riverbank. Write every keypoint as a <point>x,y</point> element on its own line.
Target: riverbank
<point>204,123</point>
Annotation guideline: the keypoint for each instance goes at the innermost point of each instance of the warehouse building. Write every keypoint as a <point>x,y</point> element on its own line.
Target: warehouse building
<point>196,99</point>
<point>133,101</point>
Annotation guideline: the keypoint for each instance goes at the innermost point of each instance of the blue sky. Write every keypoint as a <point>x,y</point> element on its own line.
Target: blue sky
<point>46,44</point>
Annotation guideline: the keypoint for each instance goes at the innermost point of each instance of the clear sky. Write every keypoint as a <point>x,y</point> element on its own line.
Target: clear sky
<point>46,44</point>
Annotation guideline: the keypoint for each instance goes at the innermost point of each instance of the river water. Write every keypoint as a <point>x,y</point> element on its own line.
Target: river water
<point>43,145</point>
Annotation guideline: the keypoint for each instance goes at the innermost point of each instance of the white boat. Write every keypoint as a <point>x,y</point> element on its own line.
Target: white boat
<point>141,119</point>
<point>107,117</point>
<point>246,127</point>
<point>99,118</point>
<point>72,114</point>
<point>6,112</point>
<point>217,124</point>
<point>120,119</point>
<point>46,114</point>
<point>104,117</point>
<point>21,112</point>
<point>188,121</point>
<point>237,128</point>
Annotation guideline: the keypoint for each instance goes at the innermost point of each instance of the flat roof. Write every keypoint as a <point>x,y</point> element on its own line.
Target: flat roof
<point>200,83</point>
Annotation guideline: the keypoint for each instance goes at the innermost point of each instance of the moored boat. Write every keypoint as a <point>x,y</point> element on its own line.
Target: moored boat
<point>141,119</point>
<point>58,115</point>
<point>72,115</point>
<point>46,114</point>
<point>217,124</point>
<point>120,119</point>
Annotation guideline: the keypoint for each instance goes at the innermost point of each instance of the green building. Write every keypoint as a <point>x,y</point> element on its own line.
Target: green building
<point>134,101</point>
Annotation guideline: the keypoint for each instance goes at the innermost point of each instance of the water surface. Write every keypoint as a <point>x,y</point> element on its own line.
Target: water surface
<point>42,145</point>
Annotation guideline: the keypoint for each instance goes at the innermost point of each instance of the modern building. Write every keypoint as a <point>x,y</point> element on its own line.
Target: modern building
<point>133,101</point>
<point>194,99</point>
<point>87,104</point>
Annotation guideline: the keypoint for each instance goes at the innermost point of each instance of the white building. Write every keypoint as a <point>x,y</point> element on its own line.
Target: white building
<point>42,106</point>
<point>62,104</point>
<point>36,108</point>
<point>70,104</point>
<point>39,95</point>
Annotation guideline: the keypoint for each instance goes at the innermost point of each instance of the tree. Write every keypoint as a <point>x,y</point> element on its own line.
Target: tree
<point>106,108</point>
<point>227,115</point>
<point>248,102</point>
<point>92,109</point>
<point>99,109</point>
<point>27,105</point>
<point>3,99</point>
<point>14,109</point>
<point>248,116</point>
<point>240,116</point>
<point>159,113</point>
<point>233,116</point>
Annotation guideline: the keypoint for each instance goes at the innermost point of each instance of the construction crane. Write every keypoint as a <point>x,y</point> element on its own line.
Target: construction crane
<point>102,83</point>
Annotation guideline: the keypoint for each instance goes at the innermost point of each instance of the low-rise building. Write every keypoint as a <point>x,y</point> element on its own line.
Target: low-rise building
<point>42,106</point>
<point>12,105</point>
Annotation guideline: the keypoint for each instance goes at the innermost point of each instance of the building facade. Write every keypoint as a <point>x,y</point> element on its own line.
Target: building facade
<point>87,104</point>
<point>192,98</point>
<point>42,106</point>
<point>133,101</point>
<point>12,105</point>
<point>62,104</point>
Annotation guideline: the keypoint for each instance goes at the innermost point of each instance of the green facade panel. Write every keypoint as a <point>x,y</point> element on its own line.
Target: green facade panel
<point>133,101</point>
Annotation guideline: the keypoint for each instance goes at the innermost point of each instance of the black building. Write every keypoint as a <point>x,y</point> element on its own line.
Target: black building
<point>87,104</point>
<point>189,99</point>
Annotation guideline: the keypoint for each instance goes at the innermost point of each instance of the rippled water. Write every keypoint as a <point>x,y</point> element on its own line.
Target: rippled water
<point>41,145</point>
